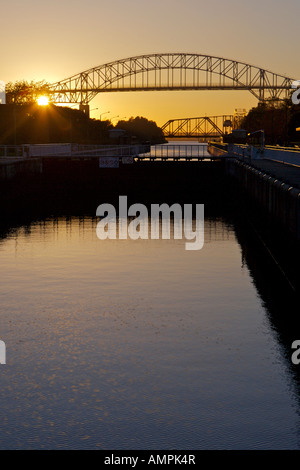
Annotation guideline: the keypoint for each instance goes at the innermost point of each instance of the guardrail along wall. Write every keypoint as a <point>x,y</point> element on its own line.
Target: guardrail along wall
<point>279,200</point>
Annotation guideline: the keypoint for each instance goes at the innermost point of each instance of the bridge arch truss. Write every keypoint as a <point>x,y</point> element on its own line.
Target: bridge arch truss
<point>206,127</point>
<point>171,71</point>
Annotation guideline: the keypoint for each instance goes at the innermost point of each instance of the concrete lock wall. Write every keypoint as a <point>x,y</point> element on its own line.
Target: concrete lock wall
<point>25,167</point>
<point>279,200</point>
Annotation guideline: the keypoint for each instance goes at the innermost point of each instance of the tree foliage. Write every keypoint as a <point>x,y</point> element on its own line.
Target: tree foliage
<point>34,124</point>
<point>279,122</point>
<point>143,129</point>
<point>24,92</point>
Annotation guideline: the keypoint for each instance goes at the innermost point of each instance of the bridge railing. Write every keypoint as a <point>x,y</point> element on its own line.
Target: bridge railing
<point>70,150</point>
<point>11,151</point>
<point>110,150</point>
<point>176,151</point>
<point>137,152</point>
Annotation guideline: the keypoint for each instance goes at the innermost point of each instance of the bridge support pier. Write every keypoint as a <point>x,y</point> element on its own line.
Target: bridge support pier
<point>85,108</point>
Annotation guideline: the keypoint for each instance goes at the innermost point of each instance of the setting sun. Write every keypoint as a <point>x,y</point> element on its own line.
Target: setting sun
<point>43,101</point>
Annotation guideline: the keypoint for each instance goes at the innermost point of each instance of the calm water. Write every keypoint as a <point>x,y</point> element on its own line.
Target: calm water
<point>138,344</point>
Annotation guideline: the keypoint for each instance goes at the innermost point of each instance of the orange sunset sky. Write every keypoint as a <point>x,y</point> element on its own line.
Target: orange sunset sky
<point>51,41</point>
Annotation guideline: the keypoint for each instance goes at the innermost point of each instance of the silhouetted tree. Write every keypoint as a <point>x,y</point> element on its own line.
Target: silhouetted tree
<point>278,120</point>
<point>33,124</point>
<point>143,129</point>
<point>23,92</point>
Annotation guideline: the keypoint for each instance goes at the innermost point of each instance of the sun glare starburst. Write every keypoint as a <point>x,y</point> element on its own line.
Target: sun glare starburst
<point>43,100</point>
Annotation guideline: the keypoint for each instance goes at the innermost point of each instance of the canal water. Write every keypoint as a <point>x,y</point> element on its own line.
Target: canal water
<point>141,344</point>
<point>123,344</point>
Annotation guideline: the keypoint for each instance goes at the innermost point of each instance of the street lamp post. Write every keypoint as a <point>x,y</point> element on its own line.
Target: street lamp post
<point>262,140</point>
<point>15,125</point>
<point>106,112</point>
<point>262,137</point>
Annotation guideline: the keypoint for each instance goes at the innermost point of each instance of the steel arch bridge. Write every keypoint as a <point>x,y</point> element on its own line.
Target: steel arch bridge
<point>171,71</point>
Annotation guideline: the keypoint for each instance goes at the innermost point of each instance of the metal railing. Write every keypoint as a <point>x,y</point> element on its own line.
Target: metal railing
<point>11,151</point>
<point>70,150</point>
<point>163,152</point>
<point>245,152</point>
<point>110,150</point>
<point>176,152</point>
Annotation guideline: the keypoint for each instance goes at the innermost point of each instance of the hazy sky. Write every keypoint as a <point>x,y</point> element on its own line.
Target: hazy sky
<point>52,40</point>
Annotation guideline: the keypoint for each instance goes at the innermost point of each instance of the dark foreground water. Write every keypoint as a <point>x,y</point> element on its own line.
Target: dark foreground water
<point>138,344</point>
